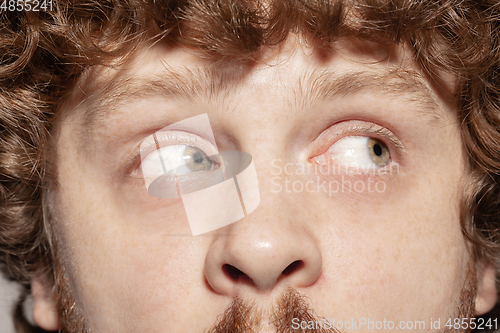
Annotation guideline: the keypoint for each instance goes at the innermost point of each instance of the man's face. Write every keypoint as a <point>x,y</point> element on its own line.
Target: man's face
<point>376,236</point>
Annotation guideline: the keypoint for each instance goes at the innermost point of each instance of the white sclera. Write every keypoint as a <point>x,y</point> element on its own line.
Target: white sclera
<point>168,157</point>
<point>352,152</point>
<point>151,163</point>
<point>210,201</point>
<point>151,167</point>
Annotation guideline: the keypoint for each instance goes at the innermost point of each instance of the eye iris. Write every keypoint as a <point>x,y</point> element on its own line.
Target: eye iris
<point>379,152</point>
<point>196,159</point>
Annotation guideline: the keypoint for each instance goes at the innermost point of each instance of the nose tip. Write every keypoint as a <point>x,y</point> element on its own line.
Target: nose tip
<point>248,261</point>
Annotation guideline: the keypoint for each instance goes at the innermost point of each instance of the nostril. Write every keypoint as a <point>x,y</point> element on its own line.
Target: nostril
<point>296,265</point>
<point>233,272</point>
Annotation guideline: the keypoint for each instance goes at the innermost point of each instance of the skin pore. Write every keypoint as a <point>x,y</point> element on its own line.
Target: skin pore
<point>393,252</point>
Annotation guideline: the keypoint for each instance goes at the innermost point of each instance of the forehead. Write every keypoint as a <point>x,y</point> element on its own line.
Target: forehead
<point>297,73</point>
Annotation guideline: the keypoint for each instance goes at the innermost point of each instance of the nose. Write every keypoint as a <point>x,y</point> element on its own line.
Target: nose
<point>262,251</point>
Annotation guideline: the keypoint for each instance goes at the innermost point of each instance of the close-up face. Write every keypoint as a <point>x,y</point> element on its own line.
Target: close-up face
<point>360,168</point>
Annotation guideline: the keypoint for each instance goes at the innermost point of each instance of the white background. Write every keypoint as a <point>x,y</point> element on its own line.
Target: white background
<point>8,295</point>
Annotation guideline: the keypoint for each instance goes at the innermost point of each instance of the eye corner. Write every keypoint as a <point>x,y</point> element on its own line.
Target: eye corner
<point>133,166</point>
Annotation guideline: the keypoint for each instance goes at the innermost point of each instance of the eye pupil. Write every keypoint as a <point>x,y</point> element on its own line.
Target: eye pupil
<point>198,158</point>
<point>377,150</point>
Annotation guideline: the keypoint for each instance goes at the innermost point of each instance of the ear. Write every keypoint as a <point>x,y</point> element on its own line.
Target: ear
<point>45,306</point>
<point>486,297</point>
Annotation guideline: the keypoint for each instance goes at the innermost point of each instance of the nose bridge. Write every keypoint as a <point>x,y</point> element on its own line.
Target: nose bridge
<point>265,249</point>
<point>273,246</point>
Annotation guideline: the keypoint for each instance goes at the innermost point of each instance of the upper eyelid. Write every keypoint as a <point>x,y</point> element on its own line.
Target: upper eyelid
<point>184,136</point>
<point>338,131</point>
<point>385,133</point>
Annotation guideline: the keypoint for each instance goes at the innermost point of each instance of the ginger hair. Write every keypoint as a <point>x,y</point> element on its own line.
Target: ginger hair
<point>43,53</point>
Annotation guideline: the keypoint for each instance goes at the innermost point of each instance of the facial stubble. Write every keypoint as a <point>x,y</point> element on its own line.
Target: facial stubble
<point>243,316</point>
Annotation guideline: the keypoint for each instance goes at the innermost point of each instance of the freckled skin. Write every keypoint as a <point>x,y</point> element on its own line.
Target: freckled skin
<point>396,255</point>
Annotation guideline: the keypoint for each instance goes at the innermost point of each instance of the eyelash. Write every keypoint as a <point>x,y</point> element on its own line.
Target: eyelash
<point>163,140</point>
<point>378,132</point>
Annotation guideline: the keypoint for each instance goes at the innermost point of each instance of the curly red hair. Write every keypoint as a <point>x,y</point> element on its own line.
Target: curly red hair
<point>43,53</point>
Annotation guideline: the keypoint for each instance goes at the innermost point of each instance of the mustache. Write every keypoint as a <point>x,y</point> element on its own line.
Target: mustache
<point>243,317</point>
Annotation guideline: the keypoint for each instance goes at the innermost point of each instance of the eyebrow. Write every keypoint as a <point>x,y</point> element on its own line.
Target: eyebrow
<point>207,83</point>
<point>210,84</point>
<point>405,84</point>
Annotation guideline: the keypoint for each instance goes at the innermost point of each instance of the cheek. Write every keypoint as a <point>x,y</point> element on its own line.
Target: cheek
<point>399,256</point>
<point>403,256</point>
<point>118,268</point>
<point>121,258</point>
